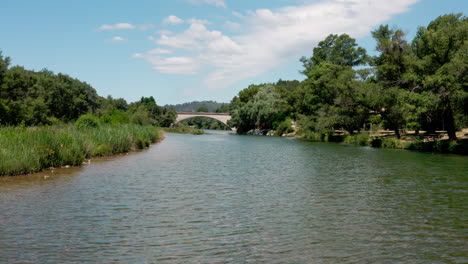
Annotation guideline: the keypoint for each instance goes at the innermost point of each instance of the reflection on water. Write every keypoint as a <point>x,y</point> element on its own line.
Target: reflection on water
<point>241,199</point>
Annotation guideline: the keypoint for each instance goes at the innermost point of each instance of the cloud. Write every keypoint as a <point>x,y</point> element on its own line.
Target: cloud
<point>145,27</point>
<point>171,65</point>
<point>232,26</point>
<point>116,26</point>
<point>272,38</point>
<point>198,21</point>
<point>173,20</point>
<point>165,32</point>
<point>118,39</point>
<point>217,3</point>
<point>198,37</point>
<point>159,51</point>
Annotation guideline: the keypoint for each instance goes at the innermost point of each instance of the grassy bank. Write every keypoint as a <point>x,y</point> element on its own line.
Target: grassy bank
<point>184,130</point>
<point>31,149</point>
<point>459,146</point>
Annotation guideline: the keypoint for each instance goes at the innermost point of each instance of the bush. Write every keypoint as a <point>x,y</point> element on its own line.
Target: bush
<point>392,143</point>
<point>312,136</point>
<point>284,128</point>
<point>358,140</point>
<point>376,142</point>
<point>87,121</point>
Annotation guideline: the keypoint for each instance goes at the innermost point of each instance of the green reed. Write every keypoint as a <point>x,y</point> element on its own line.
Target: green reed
<point>31,149</point>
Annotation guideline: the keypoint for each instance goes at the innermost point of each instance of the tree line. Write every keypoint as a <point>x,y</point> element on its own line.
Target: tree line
<point>417,85</point>
<point>32,98</point>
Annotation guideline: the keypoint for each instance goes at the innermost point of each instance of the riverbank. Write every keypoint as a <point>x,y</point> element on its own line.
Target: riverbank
<point>27,150</point>
<point>406,142</point>
<point>184,130</point>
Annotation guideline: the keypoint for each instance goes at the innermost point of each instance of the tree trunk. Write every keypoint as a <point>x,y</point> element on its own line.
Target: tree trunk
<point>397,133</point>
<point>450,123</point>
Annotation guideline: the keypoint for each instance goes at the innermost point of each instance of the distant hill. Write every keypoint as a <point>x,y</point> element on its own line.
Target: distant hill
<point>194,106</point>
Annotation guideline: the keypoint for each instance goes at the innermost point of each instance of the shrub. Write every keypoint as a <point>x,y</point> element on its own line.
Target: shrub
<point>376,142</point>
<point>284,128</point>
<point>392,143</point>
<point>358,140</point>
<point>87,121</point>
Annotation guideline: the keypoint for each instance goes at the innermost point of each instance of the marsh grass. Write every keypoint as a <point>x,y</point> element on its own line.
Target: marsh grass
<point>184,130</point>
<point>27,150</point>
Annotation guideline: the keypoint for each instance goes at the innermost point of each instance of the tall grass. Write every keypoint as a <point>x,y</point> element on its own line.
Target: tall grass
<point>184,130</point>
<point>27,150</point>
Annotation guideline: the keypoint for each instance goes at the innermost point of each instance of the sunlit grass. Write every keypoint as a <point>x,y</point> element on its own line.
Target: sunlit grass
<point>27,150</point>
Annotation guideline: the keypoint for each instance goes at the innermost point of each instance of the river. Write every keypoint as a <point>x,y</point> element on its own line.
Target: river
<point>222,198</point>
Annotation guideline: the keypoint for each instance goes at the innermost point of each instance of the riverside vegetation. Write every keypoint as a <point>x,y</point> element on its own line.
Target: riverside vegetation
<point>51,120</point>
<point>351,97</point>
<point>347,96</point>
<point>31,149</point>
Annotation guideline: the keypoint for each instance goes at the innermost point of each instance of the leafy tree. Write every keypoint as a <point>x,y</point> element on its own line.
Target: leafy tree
<point>391,73</point>
<point>4,64</point>
<point>332,93</point>
<point>339,50</point>
<point>202,109</point>
<point>224,108</point>
<point>261,112</point>
<point>441,51</point>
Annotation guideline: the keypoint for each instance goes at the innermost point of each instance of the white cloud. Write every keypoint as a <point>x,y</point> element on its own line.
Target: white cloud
<point>171,65</point>
<point>232,26</point>
<point>196,37</point>
<point>218,3</point>
<point>116,26</point>
<point>159,51</point>
<point>145,27</point>
<point>173,20</point>
<point>198,21</point>
<point>165,32</point>
<point>118,39</point>
<point>275,37</point>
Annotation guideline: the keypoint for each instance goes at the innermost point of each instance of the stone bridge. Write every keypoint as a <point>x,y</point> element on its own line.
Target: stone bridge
<point>221,117</point>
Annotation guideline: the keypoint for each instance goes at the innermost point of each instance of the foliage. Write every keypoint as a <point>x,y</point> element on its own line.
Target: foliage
<point>358,140</point>
<point>419,85</point>
<point>260,111</point>
<point>31,149</point>
<point>43,98</point>
<point>87,121</point>
<point>284,127</point>
<point>184,130</point>
<point>202,109</point>
<point>212,106</point>
<point>202,122</point>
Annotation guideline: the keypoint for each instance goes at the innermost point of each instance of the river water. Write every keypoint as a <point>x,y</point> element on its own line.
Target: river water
<point>223,198</point>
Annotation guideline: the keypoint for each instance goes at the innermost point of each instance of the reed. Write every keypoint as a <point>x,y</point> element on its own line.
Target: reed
<point>184,130</point>
<point>31,149</point>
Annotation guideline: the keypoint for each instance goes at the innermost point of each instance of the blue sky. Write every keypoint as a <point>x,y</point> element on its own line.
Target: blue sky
<point>185,50</point>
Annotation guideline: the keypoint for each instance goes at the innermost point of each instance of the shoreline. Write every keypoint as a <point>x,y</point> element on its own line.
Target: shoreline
<point>32,150</point>
<point>67,168</point>
<point>440,146</point>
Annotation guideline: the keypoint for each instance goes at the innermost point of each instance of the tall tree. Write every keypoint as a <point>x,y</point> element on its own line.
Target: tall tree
<point>331,93</point>
<point>441,50</point>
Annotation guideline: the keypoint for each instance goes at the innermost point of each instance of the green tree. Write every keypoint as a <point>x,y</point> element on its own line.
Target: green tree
<point>262,111</point>
<point>202,109</point>
<point>332,93</point>
<point>339,50</point>
<point>441,51</point>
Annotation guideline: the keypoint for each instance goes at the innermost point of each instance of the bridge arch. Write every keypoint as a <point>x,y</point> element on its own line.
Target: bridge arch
<point>221,117</point>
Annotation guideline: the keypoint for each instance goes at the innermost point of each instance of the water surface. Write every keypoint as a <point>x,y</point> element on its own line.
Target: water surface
<point>222,198</point>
